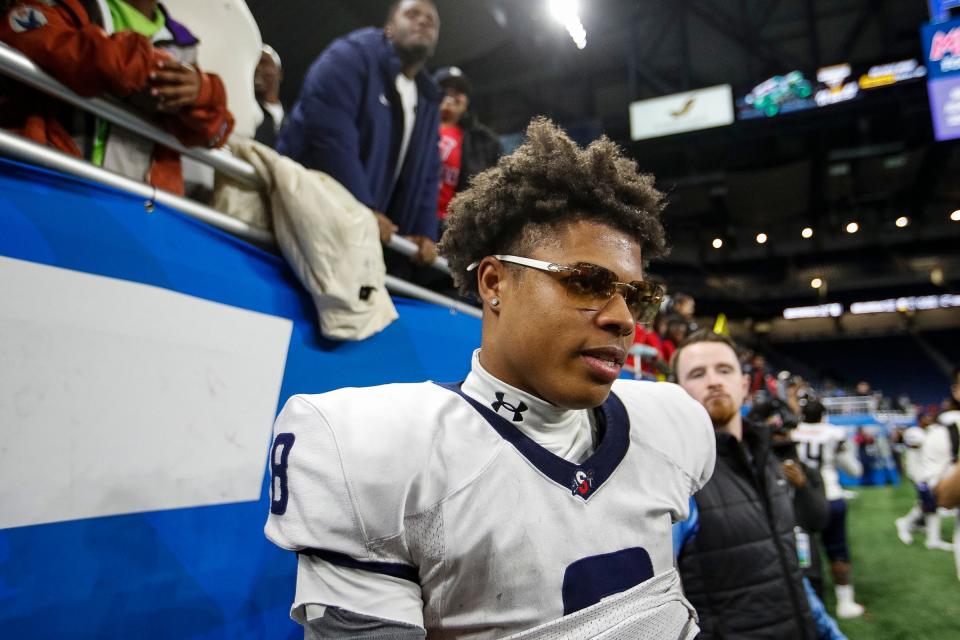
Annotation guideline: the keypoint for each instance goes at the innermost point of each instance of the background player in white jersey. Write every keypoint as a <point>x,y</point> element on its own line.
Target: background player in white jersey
<point>824,447</point>
<point>938,456</point>
<point>537,496</point>
<point>942,445</point>
<point>917,518</point>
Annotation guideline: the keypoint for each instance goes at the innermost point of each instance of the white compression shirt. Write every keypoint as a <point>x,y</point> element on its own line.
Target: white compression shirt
<point>407,89</point>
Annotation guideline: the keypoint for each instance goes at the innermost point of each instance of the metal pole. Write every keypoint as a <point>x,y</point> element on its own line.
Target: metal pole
<point>396,285</point>
<point>28,151</point>
<point>19,148</point>
<point>409,249</point>
<point>18,66</point>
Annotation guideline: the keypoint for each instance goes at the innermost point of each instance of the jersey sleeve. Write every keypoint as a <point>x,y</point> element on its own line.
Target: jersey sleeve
<point>935,458</point>
<point>317,511</point>
<point>695,430</point>
<point>677,426</point>
<point>847,460</point>
<point>335,622</point>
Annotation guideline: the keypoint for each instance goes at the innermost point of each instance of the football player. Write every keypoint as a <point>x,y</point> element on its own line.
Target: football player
<point>916,519</point>
<point>824,447</point>
<point>535,498</point>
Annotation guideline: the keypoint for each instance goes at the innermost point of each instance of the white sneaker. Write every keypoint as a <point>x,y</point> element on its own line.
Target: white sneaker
<point>939,544</point>
<point>903,530</point>
<point>847,610</point>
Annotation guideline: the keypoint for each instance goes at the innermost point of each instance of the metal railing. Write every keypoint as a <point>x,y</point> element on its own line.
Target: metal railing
<point>16,65</point>
<point>850,405</point>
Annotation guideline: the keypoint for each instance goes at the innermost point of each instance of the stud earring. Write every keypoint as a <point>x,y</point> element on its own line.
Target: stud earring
<point>494,302</point>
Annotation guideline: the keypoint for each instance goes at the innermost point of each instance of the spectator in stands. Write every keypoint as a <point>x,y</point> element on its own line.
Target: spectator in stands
<point>654,366</point>
<point>863,389</point>
<point>135,51</point>
<point>760,378</point>
<point>685,306</point>
<point>741,570</point>
<point>675,330</point>
<point>229,47</point>
<point>824,447</point>
<point>466,146</point>
<point>266,86</point>
<point>368,115</point>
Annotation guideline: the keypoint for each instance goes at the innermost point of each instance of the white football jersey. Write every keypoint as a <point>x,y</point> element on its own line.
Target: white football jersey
<point>818,446</point>
<point>936,454</point>
<point>913,438</point>
<point>476,531</point>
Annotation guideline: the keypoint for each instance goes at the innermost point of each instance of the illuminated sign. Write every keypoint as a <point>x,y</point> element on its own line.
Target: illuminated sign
<point>882,75</point>
<point>837,85</point>
<point>944,94</point>
<point>941,48</point>
<point>910,303</point>
<point>940,9</point>
<point>681,112</point>
<point>831,310</point>
<point>776,95</point>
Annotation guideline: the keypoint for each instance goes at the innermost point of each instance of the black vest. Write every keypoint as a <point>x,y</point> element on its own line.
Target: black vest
<point>741,570</point>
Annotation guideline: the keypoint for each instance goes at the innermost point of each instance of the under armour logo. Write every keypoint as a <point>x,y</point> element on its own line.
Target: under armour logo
<point>517,410</point>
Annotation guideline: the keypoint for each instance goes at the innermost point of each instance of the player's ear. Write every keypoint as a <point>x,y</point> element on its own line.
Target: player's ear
<point>491,283</point>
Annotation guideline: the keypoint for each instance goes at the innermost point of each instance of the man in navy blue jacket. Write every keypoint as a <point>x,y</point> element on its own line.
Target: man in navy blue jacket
<point>368,115</point>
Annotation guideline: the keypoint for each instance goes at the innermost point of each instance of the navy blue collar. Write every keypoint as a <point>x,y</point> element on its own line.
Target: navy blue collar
<point>582,479</point>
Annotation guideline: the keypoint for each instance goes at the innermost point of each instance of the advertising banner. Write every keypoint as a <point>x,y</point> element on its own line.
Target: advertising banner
<point>941,50</point>
<point>681,112</point>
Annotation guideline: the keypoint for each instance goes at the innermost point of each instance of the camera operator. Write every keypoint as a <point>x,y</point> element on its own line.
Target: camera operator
<point>809,499</point>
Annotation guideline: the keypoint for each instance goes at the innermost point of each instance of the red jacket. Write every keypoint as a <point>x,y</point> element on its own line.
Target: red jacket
<point>65,42</point>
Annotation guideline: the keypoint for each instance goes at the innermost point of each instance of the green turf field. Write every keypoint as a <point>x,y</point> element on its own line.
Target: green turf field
<point>910,593</point>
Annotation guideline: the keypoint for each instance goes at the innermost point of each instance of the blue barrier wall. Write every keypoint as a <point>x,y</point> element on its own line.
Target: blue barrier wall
<point>204,572</point>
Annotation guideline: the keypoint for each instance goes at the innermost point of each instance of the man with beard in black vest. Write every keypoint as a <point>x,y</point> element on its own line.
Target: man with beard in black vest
<point>740,570</point>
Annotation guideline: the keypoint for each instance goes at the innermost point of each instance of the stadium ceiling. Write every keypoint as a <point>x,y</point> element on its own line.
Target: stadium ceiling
<point>869,161</point>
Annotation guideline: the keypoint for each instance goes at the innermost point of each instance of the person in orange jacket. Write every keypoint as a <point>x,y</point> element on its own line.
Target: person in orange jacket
<point>131,49</point>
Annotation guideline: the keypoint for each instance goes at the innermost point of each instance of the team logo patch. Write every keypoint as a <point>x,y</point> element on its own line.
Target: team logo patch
<point>582,483</point>
<point>517,410</point>
<point>23,19</point>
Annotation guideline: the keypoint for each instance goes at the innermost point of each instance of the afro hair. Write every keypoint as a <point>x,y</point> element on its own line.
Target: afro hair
<point>546,181</point>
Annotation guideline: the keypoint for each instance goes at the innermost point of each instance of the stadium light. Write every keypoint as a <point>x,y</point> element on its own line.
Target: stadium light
<point>816,283</point>
<point>955,216</point>
<point>761,238</point>
<point>902,221</point>
<point>717,243</point>
<point>567,13</point>
<point>807,232</point>
<point>852,227</point>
